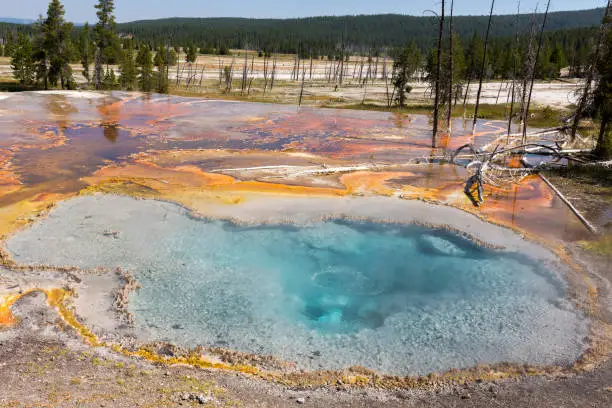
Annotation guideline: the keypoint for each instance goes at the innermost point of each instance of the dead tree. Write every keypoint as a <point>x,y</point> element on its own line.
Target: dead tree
<point>310,63</point>
<point>265,72</point>
<point>514,67</point>
<point>220,72</point>
<point>450,70</point>
<point>202,76</point>
<point>228,75</point>
<point>465,95</point>
<point>533,72</point>
<point>376,67</point>
<point>586,91</point>
<point>483,67</point>
<point>342,59</point>
<point>252,76</point>
<point>437,83</point>
<point>243,84</point>
<point>302,85</point>
<point>359,80</point>
<point>501,84</point>
<point>527,68</point>
<point>273,74</point>
<point>178,64</point>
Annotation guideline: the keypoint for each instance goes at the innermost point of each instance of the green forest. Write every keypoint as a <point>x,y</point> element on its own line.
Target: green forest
<point>325,34</point>
<point>568,36</point>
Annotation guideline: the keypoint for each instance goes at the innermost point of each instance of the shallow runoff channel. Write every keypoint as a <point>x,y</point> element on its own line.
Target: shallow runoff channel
<point>328,283</point>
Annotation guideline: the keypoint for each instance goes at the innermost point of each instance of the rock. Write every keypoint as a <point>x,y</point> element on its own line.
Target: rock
<point>300,400</point>
<point>203,399</point>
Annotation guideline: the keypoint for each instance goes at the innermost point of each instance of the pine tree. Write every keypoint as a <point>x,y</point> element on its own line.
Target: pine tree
<point>172,57</point>
<point>53,49</point>
<point>110,80</point>
<point>128,68</point>
<point>602,101</point>
<point>160,61</point>
<point>145,69</point>
<point>107,43</point>
<point>192,54</point>
<point>22,62</point>
<point>404,67</point>
<point>86,51</point>
<point>557,60</point>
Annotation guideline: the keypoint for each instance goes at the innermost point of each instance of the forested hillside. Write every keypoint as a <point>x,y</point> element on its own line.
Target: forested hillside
<point>325,33</point>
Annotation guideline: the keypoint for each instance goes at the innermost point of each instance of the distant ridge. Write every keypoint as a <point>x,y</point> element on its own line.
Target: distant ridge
<point>16,20</point>
<point>358,31</point>
<point>325,33</point>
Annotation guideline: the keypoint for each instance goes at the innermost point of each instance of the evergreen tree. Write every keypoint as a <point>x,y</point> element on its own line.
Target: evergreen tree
<point>172,57</point>
<point>106,41</point>
<point>162,73</point>
<point>473,56</point>
<point>53,49</point>
<point>22,61</point>
<point>557,60</point>
<point>404,67</point>
<point>9,45</point>
<point>192,54</point>
<point>86,51</point>
<point>145,69</point>
<point>602,102</point>
<point>110,80</point>
<point>128,68</point>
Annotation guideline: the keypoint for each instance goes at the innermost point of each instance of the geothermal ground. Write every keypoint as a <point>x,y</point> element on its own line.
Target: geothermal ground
<point>163,251</point>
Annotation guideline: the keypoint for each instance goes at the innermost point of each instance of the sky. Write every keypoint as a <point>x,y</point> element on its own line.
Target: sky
<point>80,11</point>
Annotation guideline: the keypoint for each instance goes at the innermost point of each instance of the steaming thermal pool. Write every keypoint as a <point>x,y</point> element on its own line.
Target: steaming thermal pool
<point>398,298</point>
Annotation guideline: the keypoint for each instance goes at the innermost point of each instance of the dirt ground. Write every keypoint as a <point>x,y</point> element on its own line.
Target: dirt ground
<point>202,79</point>
<point>44,366</point>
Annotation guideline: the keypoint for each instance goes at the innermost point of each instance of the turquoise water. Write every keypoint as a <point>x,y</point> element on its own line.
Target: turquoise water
<point>396,298</point>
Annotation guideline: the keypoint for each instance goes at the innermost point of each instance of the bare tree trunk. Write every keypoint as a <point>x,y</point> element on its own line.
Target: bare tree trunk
<point>482,70</point>
<point>252,75</point>
<point>360,72</point>
<point>389,100</point>
<point>533,72</point>
<point>528,66</point>
<point>376,67</point>
<point>437,85</point>
<point>450,68</point>
<point>515,63</point>
<point>311,63</point>
<point>273,75</point>
<point>384,68</point>
<point>499,91</point>
<point>600,148</point>
<point>202,76</point>
<point>302,86</point>
<point>265,73</point>
<point>294,67</point>
<point>465,95</point>
<point>590,75</point>
<point>178,64</point>
<point>243,84</point>
<point>220,72</point>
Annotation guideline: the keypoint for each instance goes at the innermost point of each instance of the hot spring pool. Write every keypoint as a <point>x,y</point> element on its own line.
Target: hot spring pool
<point>400,299</point>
